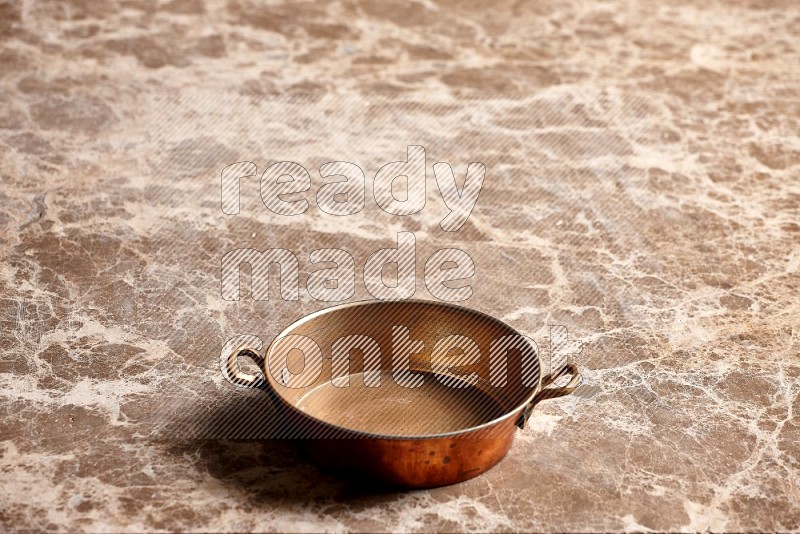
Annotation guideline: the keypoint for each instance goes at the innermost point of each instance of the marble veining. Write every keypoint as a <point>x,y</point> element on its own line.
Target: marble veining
<point>642,189</point>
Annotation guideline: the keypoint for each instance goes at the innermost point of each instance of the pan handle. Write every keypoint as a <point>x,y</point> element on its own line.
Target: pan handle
<point>551,393</point>
<point>234,374</point>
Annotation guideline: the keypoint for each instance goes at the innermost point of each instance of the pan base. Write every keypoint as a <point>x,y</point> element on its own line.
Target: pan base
<point>395,410</point>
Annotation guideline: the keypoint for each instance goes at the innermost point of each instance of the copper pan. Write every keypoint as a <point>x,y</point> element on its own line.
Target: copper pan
<point>414,393</point>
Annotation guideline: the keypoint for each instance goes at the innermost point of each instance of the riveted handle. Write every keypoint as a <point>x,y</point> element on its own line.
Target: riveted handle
<point>237,377</point>
<point>551,393</point>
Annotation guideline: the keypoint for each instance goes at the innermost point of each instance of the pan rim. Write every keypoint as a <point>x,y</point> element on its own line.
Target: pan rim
<point>514,412</point>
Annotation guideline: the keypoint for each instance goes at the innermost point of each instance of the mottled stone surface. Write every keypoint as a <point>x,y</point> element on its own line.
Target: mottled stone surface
<point>642,189</point>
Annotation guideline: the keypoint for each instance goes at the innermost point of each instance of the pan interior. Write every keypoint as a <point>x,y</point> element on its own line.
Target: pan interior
<point>502,365</point>
<point>392,409</point>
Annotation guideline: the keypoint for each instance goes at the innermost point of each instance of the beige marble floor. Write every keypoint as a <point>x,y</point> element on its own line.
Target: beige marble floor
<point>642,189</point>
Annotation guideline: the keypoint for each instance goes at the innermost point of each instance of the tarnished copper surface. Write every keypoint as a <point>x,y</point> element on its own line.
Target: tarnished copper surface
<point>417,463</point>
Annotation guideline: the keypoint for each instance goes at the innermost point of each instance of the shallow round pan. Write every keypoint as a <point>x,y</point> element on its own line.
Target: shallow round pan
<point>414,393</point>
